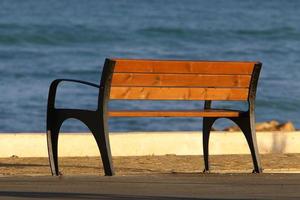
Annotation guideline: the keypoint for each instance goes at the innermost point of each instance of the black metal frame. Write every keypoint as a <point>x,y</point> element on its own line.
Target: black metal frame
<point>96,121</point>
<point>245,122</point>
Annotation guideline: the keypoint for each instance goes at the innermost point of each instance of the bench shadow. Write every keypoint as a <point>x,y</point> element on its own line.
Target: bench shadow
<point>63,195</point>
<point>21,165</point>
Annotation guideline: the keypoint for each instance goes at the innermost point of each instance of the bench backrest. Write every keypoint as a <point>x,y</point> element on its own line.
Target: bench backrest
<point>180,80</point>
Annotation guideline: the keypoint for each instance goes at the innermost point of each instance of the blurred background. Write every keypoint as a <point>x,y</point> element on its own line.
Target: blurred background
<point>44,40</point>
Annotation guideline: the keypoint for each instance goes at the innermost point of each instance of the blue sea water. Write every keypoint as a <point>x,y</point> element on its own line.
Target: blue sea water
<point>44,40</point>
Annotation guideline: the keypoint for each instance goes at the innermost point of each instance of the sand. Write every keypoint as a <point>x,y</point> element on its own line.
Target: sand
<point>15,166</point>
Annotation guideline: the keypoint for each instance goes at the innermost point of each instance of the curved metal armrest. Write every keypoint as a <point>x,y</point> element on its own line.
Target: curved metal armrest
<point>53,89</point>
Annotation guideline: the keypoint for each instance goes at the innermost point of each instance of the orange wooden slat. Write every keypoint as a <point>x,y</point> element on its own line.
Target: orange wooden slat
<point>200,67</point>
<point>192,80</point>
<point>179,93</point>
<point>175,113</point>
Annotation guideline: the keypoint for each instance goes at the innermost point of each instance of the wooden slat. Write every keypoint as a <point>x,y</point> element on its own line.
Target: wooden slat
<point>200,67</point>
<point>192,80</point>
<point>170,93</point>
<point>175,113</point>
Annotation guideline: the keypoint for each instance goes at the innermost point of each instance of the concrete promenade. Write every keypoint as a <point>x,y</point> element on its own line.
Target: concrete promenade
<point>154,187</point>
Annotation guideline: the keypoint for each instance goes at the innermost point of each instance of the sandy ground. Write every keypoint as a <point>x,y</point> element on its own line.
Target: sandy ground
<point>141,165</point>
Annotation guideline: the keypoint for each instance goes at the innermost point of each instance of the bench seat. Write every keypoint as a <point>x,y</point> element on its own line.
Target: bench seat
<point>177,113</point>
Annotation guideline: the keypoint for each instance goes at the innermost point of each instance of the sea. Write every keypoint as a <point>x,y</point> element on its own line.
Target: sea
<point>44,40</point>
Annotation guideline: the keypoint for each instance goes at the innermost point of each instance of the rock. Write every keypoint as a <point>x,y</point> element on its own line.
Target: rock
<point>288,126</point>
<point>214,129</point>
<point>272,125</point>
<point>267,126</point>
<point>232,129</point>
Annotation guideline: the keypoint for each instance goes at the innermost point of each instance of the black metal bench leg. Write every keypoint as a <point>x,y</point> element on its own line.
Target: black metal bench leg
<point>52,141</point>
<point>247,126</point>
<point>207,125</point>
<point>100,133</point>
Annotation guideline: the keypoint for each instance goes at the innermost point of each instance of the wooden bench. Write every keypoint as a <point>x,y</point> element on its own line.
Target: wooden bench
<point>127,79</point>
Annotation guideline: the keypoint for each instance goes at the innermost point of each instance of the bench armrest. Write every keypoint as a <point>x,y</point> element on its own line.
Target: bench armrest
<point>55,83</point>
